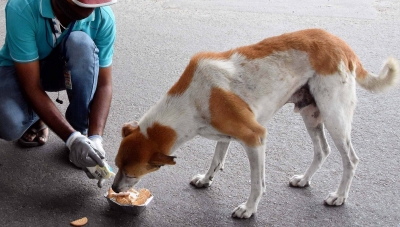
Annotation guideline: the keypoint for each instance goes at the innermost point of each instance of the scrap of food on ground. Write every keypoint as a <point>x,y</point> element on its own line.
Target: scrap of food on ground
<point>80,222</point>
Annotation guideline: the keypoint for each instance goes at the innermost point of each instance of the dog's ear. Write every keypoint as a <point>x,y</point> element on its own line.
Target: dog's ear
<point>128,128</point>
<point>160,159</point>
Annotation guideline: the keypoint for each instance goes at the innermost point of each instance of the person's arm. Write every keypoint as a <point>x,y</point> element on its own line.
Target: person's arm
<point>29,78</point>
<point>82,154</point>
<point>101,102</point>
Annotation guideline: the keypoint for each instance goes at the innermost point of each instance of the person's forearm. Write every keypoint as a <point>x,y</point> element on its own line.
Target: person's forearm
<point>101,103</point>
<point>49,113</point>
<point>28,74</point>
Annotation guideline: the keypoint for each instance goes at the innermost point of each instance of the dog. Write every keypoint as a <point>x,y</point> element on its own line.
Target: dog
<point>229,95</point>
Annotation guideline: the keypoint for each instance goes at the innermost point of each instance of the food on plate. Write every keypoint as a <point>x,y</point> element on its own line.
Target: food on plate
<point>130,197</point>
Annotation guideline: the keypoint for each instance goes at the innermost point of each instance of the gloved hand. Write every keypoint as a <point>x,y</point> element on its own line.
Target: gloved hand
<point>97,145</point>
<point>82,153</point>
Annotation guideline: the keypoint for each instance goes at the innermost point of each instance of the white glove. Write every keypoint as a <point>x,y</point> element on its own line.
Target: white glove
<point>97,145</point>
<point>82,153</point>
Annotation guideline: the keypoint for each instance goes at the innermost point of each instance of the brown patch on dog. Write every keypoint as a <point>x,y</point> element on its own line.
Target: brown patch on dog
<point>127,129</point>
<point>325,52</point>
<point>139,155</point>
<point>232,116</point>
<point>184,81</point>
<point>163,137</point>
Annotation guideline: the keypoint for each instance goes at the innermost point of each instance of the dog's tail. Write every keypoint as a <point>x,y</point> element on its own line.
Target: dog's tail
<point>387,78</point>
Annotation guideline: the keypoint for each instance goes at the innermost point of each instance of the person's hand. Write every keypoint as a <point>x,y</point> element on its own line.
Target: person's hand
<point>97,144</point>
<point>82,153</point>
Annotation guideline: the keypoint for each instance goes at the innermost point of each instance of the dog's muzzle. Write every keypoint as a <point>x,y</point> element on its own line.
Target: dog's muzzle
<point>122,183</point>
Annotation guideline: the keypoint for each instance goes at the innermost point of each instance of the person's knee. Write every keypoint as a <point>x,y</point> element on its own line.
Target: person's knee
<point>82,59</point>
<point>80,46</point>
<point>11,128</point>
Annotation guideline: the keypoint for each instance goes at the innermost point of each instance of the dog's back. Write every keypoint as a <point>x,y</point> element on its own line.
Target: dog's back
<point>265,75</point>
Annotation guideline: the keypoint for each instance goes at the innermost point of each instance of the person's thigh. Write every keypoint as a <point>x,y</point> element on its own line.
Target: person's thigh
<point>80,78</point>
<point>16,115</point>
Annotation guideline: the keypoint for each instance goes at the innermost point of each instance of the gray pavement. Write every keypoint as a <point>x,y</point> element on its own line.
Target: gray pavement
<point>39,187</point>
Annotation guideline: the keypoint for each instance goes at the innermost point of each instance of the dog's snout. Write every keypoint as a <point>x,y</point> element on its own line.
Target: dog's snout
<point>115,188</point>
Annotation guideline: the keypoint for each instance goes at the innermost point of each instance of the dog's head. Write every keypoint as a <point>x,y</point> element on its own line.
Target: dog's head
<point>141,153</point>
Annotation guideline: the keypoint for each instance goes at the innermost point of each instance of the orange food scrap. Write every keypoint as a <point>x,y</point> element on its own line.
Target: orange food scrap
<point>80,222</point>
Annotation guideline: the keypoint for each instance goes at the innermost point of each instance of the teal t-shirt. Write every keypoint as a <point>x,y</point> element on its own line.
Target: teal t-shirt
<point>29,36</point>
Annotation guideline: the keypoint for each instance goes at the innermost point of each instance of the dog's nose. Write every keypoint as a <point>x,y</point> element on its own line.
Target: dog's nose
<point>115,189</point>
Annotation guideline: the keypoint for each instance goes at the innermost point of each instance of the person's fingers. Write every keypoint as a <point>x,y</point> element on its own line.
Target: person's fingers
<point>77,161</point>
<point>96,158</point>
<point>100,153</point>
<point>88,162</point>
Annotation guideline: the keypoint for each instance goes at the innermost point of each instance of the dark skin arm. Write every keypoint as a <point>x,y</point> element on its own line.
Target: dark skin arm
<point>101,102</point>
<point>29,78</point>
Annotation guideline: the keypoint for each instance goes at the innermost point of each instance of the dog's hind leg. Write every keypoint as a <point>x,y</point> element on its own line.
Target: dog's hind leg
<point>350,160</point>
<point>315,127</point>
<point>336,98</point>
<point>205,180</point>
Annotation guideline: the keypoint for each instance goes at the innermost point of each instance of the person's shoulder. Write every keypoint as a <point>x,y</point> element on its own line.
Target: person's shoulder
<point>29,10</point>
<point>21,5</point>
<point>107,12</point>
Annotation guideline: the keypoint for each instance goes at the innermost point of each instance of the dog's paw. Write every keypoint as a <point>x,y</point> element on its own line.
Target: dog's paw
<point>334,199</point>
<point>299,181</point>
<point>243,211</point>
<point>200,181</point>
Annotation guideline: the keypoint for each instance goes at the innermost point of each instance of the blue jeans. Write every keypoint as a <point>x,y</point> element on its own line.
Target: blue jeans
<point>81,54</point>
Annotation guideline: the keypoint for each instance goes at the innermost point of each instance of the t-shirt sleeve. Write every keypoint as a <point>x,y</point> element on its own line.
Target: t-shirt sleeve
<point>21,39</point>
<point>106,37</point>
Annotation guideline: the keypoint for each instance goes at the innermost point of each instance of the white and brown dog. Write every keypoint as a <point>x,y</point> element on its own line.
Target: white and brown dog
<point>230,95</point>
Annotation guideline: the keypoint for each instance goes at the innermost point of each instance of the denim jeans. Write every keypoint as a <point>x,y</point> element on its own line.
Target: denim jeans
<point>81,55</point>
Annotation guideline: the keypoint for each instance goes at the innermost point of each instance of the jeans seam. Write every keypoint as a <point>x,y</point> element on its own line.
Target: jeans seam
<point>93,77</point>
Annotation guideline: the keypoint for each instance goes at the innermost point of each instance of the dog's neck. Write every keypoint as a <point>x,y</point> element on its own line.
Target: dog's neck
<point>174,113</point>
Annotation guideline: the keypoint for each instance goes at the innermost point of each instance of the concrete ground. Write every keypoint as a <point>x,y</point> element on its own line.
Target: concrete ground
<point>156,38</point>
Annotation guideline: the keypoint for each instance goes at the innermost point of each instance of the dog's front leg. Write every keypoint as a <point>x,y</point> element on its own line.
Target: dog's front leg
<point>205,180</point>
<point>256,157</point>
